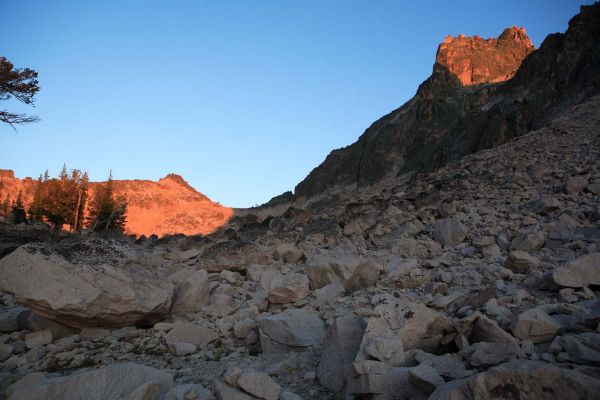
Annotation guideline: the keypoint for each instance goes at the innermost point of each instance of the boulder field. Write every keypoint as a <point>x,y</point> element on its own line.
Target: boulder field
<point>479,279</point>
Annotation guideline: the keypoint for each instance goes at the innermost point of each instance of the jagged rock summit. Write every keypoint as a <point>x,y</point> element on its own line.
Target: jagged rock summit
<point>474,60</point>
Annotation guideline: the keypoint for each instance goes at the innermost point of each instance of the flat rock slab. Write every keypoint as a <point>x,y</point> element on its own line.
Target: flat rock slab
<point>81,295</point>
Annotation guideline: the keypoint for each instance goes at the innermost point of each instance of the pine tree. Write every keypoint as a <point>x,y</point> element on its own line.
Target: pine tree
<point>17,84</point>
<point>81,180</point>
<point>63,176</point>
<point>18,214</point>
<point>107,211</point>
<point>5,206</point>
<point>62,200</point>
<point>35,208</point>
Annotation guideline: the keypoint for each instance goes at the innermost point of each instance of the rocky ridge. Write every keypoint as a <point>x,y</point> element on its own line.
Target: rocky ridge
<point>166,207</point>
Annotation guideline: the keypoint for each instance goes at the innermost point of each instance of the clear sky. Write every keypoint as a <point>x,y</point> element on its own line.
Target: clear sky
<point>241,98</point>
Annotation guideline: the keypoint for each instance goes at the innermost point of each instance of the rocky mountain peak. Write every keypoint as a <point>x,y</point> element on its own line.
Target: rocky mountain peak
<point>474,60</point>
<point>7,173</point>
<point>176,178</point>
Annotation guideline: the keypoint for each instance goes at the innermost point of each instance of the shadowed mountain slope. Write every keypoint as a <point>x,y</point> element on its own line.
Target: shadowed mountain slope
<point>468,105</point>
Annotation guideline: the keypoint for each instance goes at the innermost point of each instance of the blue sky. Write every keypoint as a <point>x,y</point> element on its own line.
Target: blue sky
<point>242,98</point>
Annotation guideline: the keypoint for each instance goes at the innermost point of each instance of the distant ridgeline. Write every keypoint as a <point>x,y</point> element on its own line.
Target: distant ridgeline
<point>169,206</point>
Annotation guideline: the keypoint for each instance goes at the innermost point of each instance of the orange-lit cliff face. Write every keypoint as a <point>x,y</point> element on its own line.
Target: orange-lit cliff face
<point>474,60</point>
<point>168,206</point>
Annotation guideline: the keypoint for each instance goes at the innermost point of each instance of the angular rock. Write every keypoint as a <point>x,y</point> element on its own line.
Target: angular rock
<point>243,327</point>
<point>583,348</point>
<point>485,329</point>
<point>449,365</point>
<point>365,275</point>
<point>38,339</point>
<point>576,184</point>
<point>529,242</point>
<point>93,333</point>
<point>287,395</point>
<point>14,319</point>
<point>189,391</point>
<point>485,354</point>
<point>583,271</point>
<point>536,325</point>
<point>521,262</point>
<point>5,351</point>
<point>226,392</point>
<point>546,205</point>
<point>182,348</point>
<point>146,391</point>
<point>352,228</point>
<point>340,266</point>
<point>449,231</point>
<point>262,274</point>
<point>289,288</point>
<point>113,381</point>
<point>59,331</point>
<point>185,332</point>
<point>327,295</point>
<point>388,350</point>
<point>192,293</point>
<point>289,253</point>
<point>385,383</point>
<point>232,375</point>
<point>521,380</point>
<point>325,268</point>
<point>259,385</point>
<point>82,295</point>
<point>492,251</point>
<point>163,326</point>
<point>425,378</point>
<point>410,322</point>
<point>292,329</point>
<point>340,347</point>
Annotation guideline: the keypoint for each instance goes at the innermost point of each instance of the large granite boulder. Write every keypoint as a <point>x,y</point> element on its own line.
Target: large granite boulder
<point>288,288</point>
<point>116,381</point>
<point>410,322</point>
<point>536,325</point>
<point>290,330</point>
<point>341,266</point>
<point>191,291</point>
<point>92,290</point>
